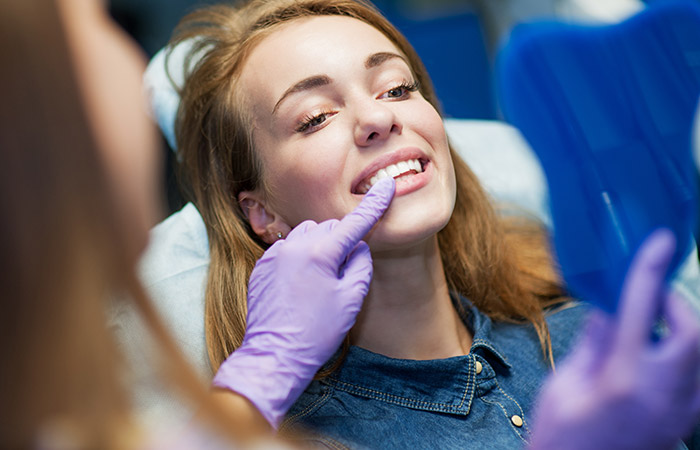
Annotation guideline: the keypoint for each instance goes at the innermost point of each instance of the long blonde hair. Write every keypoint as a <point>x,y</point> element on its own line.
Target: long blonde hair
<point>62,254</point>
<point>501,265</point>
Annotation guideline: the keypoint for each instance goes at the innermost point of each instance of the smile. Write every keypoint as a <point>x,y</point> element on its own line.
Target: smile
<point>399,171</point>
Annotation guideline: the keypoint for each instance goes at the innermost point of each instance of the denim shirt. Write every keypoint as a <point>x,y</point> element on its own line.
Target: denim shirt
<point>480,400</point>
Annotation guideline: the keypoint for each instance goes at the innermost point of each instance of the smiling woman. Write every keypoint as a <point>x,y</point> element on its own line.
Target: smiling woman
<point>294,110</point>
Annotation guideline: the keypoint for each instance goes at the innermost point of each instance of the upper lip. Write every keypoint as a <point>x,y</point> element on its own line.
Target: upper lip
<point>388,159</point>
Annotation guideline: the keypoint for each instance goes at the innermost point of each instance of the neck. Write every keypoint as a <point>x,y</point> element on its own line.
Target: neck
<point>408,312</point>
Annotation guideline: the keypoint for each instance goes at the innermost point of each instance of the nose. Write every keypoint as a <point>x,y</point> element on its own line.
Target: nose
<point>375,122</point>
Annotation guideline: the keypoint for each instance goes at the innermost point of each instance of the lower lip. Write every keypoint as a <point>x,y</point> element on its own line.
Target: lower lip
<point>407,184</point>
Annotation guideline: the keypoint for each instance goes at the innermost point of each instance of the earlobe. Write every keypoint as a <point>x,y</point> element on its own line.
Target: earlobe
<point>264,222</point>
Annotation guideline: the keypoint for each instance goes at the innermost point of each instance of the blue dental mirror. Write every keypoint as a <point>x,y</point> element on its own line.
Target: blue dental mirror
<point>609,112</point>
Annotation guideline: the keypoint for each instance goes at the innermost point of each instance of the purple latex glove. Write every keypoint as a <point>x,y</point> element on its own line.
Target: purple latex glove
<point>618,389</point>
<point>303,297</point>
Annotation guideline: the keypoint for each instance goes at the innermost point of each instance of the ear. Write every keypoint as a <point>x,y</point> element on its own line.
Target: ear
<point>264,222</point>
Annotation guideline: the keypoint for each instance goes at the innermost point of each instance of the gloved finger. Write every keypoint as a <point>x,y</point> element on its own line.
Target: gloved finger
<point>358,272</point>
<point>302,228</point>
<point>682,345</point>
<point>329,225</point>
<point>696,403</point>
<point>679,354</point>
<point>696,399</point>
<point>643,289</point>
<point>591,349</point>
<point>353,227</point>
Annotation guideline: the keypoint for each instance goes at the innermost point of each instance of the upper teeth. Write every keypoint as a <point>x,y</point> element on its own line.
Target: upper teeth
<point>394,171</point>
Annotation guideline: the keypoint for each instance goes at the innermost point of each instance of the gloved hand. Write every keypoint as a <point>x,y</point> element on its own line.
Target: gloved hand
<point>303,297</point>
<point>618,389</point>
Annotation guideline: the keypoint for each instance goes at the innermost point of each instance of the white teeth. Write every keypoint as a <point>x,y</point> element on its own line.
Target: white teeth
<point>394,171</point>
<point>382,173</point>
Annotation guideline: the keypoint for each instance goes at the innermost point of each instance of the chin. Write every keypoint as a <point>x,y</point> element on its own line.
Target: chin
<point>405,228</point>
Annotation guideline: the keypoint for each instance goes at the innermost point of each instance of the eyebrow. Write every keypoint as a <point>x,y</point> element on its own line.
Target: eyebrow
<point>315,81</point>
<point>377,59</point>
<point>304,85</point>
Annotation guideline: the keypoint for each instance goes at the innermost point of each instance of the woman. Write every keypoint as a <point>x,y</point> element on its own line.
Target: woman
<point>294,111</point>
<point>78,193</point>
<point>60,377</point>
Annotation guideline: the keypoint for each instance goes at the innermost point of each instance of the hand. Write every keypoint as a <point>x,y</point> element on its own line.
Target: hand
<point>303,297</point>
<point>619,389</point>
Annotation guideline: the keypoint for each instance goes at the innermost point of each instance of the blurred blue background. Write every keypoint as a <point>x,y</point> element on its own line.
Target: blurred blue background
<point>446,33</point>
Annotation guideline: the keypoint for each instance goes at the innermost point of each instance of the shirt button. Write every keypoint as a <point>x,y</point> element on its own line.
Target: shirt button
<point>479,367</point>
<point>517,421</point>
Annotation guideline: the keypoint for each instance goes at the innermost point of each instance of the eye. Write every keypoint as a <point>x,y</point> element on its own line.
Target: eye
<point>310,122</point>
<point>401,91</point>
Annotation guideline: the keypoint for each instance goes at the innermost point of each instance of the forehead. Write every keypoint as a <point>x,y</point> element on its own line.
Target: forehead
<point>309,46</point>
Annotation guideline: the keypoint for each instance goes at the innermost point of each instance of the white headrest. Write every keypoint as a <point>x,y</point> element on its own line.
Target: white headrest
<point>162,85</point>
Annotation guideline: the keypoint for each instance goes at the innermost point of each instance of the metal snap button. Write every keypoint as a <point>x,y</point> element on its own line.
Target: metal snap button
<point>517,421</point>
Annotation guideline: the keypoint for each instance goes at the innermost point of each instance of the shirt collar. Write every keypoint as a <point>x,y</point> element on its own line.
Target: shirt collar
<point>443,385</point>
<point>480,326</point>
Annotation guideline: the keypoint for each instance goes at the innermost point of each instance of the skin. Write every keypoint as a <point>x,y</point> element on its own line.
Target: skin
<point>361,116</point>
<point>109,67</point>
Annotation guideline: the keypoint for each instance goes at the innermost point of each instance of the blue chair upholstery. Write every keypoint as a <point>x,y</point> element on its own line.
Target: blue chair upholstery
<point>452,47</point>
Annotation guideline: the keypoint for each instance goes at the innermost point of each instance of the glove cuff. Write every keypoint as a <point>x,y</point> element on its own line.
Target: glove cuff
<point>265,379</point>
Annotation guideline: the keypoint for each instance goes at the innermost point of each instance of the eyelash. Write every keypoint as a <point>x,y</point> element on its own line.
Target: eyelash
<point>308,121</point>
<point>406,86</point>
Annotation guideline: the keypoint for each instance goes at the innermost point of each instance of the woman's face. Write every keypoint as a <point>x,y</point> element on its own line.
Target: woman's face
<point>334,107</point>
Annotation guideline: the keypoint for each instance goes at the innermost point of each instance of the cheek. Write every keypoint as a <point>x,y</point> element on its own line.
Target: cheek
<point>308,181</point>
<point>428,124</point>
<point>302,195</point>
